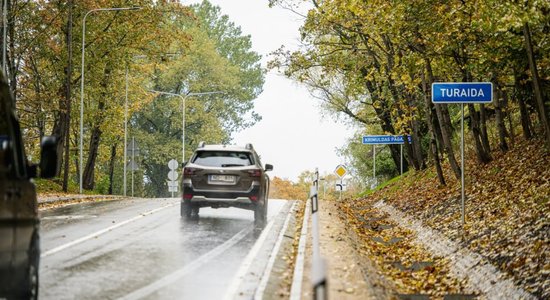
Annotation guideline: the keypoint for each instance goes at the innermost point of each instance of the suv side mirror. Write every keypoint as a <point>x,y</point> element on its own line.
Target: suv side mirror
<point>268,167</point>
<point>48,157</point>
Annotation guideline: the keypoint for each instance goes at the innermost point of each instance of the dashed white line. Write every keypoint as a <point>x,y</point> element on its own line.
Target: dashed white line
<point>100,232</point>
<point>174,276</point>
<point>233,287</point>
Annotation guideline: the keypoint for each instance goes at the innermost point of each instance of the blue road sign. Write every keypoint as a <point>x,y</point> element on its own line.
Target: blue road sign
<point>384,139</point>
<point>462,92</point>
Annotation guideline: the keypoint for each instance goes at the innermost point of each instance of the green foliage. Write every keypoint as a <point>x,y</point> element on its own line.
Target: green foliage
<point>217,59</point>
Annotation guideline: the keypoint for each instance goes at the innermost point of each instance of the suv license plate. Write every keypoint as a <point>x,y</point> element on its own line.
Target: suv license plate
<point>222,179</point>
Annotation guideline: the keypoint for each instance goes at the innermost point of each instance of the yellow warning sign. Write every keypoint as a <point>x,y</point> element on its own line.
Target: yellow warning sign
<point>341,171</point>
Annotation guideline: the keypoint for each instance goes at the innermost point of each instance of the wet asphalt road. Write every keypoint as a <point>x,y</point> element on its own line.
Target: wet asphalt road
<point>141,249</point>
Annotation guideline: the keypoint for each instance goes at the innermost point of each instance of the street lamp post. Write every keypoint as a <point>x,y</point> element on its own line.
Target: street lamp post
<point>125,128</point>
<point>82,82</point>
<point>183,97</point>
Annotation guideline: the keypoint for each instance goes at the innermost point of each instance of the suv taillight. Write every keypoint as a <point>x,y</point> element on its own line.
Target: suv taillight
<point>255,173</point>
<point>189,171</point>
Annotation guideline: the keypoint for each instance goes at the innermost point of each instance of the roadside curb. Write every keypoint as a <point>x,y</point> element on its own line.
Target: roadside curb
<point>298,273</point>
<point>54,199</point>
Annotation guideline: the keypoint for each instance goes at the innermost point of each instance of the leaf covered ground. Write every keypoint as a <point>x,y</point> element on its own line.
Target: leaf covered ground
<point>507,221</point>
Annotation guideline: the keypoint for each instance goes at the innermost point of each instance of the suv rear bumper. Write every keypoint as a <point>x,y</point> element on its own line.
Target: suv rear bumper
<point>211,198</point>
<point>203,199</point>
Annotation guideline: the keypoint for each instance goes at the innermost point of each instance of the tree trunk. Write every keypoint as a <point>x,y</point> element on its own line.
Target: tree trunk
<point>445,126</point>
<point>506,107</point>
<point>77,167</point>
<point>523,110</point>
<point>417,133</point>
<point>59,129</point>
<point>500,119</point>
<point>483,127</point>
<point>395,95</point>
<point>68,89</point>
<point>416,145</point>
<point>95,137</point>
<point>481,155</point>
<point>410,158</point>
<point>387,126</point>
<point>88,182</point>
<point>544,112</point>
<point>112,167</point>
<point>432,125</point>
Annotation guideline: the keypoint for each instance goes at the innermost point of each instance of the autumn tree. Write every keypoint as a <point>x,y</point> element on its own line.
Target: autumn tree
<point>164,45</point>
<point>374,61</point>
<point>285,189</point>
<point>218,58</point>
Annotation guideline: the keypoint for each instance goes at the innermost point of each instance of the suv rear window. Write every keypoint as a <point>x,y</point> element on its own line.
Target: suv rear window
<point>223,159</point>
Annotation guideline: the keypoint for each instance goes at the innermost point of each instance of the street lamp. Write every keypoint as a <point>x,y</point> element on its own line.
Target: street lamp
<point>82,81</point>
<point>183,97</point>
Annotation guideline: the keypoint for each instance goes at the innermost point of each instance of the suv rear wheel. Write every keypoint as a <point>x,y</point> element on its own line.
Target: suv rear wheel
<point>185,210</point>
<point>189,211</point>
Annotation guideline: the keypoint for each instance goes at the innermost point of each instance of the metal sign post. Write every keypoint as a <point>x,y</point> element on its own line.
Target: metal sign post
<point>172,177</point>
<point>341,172</point>
<point>384,140</point>
<point>462,193</point>
<point>374,165</point>
<point>401,150</point>
<point>133,159</point>
<point>462,92</point>
<point>133,151</point>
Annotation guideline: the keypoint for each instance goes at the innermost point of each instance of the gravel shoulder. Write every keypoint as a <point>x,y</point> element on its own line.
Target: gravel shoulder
<point>349,276</point>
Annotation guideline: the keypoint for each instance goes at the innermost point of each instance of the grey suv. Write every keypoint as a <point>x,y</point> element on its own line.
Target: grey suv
<point>19,223</point>
<point>225,176</point>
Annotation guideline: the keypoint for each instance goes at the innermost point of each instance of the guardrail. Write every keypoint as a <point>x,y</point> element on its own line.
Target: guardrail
<point>318,269</point>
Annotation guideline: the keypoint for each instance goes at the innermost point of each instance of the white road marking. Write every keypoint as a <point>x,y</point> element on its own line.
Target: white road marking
<point>297,277</point>
<point>100,232</point>
<point>265,276</point>
<point>232,289</point>
<point>174,276</point>
<point>69,217</point>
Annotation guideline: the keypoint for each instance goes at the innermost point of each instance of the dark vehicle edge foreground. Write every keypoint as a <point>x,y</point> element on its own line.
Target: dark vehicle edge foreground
<point>19,223</point>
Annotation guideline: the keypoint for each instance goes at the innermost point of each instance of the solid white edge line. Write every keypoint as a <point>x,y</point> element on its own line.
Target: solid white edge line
<point>265,276</point>
<point>100,232</point>
<point>297,277</point>
<point>245,265</point>
<point>176,275</point>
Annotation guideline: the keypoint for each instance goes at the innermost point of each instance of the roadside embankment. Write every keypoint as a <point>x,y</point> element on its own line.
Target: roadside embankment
<point>507,227</point>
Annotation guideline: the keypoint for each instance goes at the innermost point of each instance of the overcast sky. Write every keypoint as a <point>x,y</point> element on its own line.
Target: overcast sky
<point>292,135</point>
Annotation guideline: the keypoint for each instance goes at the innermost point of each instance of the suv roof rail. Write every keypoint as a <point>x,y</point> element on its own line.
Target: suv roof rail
<point>249,146</point>
<point>201,144</point>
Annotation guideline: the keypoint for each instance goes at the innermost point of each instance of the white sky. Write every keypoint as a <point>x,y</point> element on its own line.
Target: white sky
<point>292,135</point>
